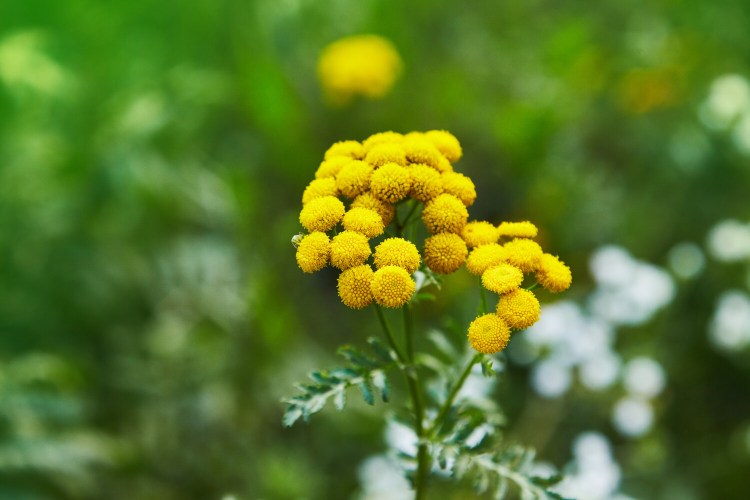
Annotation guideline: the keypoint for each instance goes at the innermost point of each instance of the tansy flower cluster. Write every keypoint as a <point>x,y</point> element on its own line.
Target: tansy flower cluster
<point>366,65</point>
<point>353,200</point>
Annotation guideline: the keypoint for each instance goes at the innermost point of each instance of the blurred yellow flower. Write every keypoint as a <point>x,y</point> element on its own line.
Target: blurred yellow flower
<point>420,150</point>
<point>354,286</point>
<point>321,214</point>
<point>459,186</point>
<point>523,229</point>
<point>366,65</point>
<point>392,286</point>
<point>319,188</point>
<point>446,144</point>
<point>388,152</point>
<point>478,233</point>
<point>331,167</point>
<point>347,149</point>
<point>524,254</point>
<point>313,252</point>
<point>389,137</point>
<point>553,274</point>
<point>484,257</point>
<point>397,252</point>
<point>349,249</point>
<point>444,253</point>
<point>488,334</point>
<point>519,308</point>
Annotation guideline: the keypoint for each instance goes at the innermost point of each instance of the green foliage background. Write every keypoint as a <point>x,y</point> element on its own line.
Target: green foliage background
<point>152,159</point>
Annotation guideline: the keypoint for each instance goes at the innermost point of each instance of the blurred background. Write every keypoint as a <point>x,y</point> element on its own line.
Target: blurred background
<point>152,160</point>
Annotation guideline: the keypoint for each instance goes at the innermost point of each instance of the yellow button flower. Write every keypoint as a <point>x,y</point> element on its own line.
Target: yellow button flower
<point>460,186</point>
<point>392,286</point>
<point>444,253</point>
<point>347,149</point>
<point>488,334</point>
<point>446,144</point>
<point>331,167</point>
<point>354,286</point>
<point>388,152</point>
<point>426,182</point>
<point>363,220</point>
<point>445,214</point>
<point>318,188</point>
<point>553,274</point>
<point>321,214</point>
<point>523,229</point>
<point>349,249</point>
<point>397,252</point>
<point>313,251</point>
<point>502,278</point>
<point>384,209</point>
<point>420,150</point>
<point>354,178</point>
<point>484,257</point>
<point>391,183</point>
<point>389,137</point>
<point>366,65</point>
<point>478,233</point>
<point>519,308</point>
<point>524,254</point>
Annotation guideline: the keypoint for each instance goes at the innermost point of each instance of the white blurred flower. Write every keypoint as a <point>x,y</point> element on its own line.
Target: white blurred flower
<point>600,372</point>
<point>729,241</point>
<point>729,328</point>
<point>612,266</point>
<point>728,98</point>
<point>551,378</point>
<point>593,474</point>
<point>644,377</point>
<point>477,386</point>
<point>401,438</point>
<point>741,134</point>
<point>686,260</point>
<point>382,479</point>
<point>557,322</point>
<point>632,416</point>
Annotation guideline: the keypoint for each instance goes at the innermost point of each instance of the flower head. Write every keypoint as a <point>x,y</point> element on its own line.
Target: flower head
<point>387,152</point>
<point>354,286</point>
<point>389,137</point>
<point>523,253</point>
<point>446,144</point>
<point>368,200</point>
<point>502,278</point>
<point>397,252</point>
<point>426,182</point>
<point>445,214</point>
<point>349,249</point>
<point>460,186</point>
<point>363,220</point>
<point>313,251</point>
<point>523,229</point>
<point>347,149</point>
<point>444,253</point>
<point>366,65</point>
<point>420,150</point>
<point>391,183</point>
<point>392,286</point>
<point>331,167</point>
<point>488,334</point>
<point>484,257</point>
<point>478,233</point>
<point>321,214</point>
<point>519,308</point>
<point>318,188</point>
<point>354,178</point>
<point>553,274</point>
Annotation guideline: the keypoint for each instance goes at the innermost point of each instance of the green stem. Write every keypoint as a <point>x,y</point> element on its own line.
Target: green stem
<point>533,285</point>
<point>400,226</point>
<point>454,392</point>
<point>415,387</point>
<point>483,297</point>
<point>389,335</point>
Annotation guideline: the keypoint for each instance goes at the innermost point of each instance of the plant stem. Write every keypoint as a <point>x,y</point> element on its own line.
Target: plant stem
<point>400,226</point>
<point>389,335</point>
<point>483,298</point>
<point>454,392</point>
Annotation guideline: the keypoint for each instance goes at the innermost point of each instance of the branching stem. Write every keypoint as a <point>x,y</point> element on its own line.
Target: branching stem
<point>452,396</point>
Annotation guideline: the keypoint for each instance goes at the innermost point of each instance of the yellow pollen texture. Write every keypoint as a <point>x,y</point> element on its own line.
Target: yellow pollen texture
<point>484,257</point>
<point>478,233</point>
<point>331,167</point>
<point>313,252</point>
<point>445,214</point>
<point>553,274</point>
<point>488,334</point>
<point>426,182</point>
<point>446,143</point>
<point>391,183</point>
<point>421,151</point>
<point>354,286</point>
<point>389,137</point>
<point>523,253</point>
<point>460,186</point>
<point>349,249</point>
<point>392,286</point>
<point>384,209</point>
<point>348,149</point>
<point>519,308</point>
<point>502,278</point>
<point>523,229</point>
<point>321,214</point>
<point>363,220</point>
<point>397,252</point>
<point>444,253</point>
<point>388,152</point>
<point>318,188</point>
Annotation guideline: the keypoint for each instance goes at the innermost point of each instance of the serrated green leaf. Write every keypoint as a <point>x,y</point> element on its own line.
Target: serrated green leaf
<point>344,374</point>
<point>365,387</point>
<point>381,350</point>
<point>357,357</point>
<point>291,415</point>
<point>380,382</point>
<point>339,401</point>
